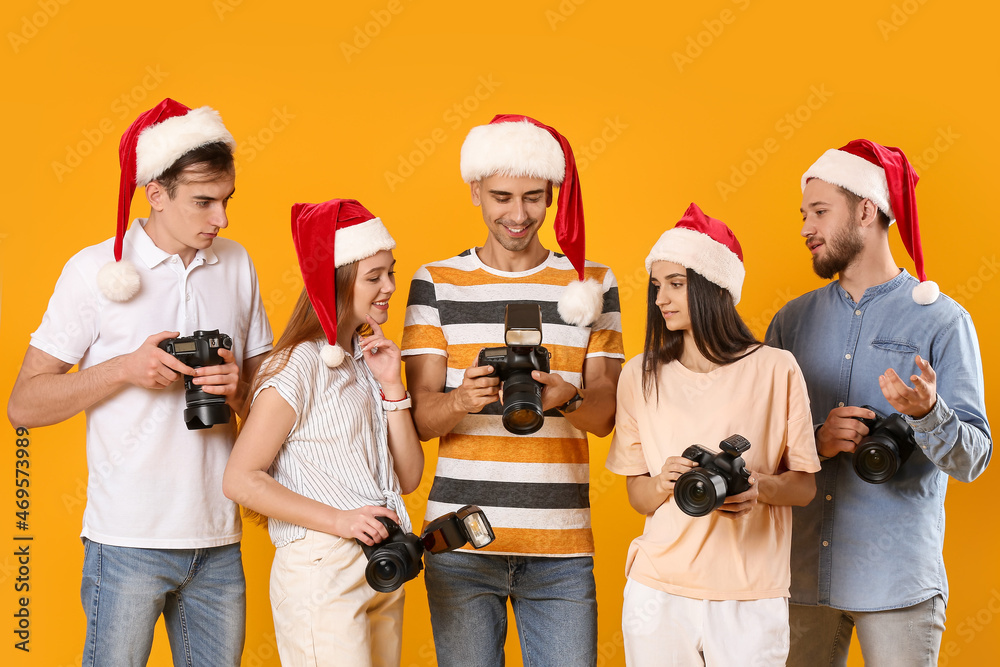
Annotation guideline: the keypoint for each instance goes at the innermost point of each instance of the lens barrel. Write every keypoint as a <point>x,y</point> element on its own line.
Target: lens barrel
<point>522,404</point>
<point>699,492</point>
<point>204,410</point>
<point>876,460</point>
<point>387,571</point>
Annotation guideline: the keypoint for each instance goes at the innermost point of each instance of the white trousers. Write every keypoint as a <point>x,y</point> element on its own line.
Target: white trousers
<point>664,630</point>
<point>324,611</point>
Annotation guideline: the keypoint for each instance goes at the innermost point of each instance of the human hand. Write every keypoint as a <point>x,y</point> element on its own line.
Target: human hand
<point>222,379</point>
<point>150,367</point>
<point>361,524</point>
<point>478,389</point>
<point>673,467</point>
<point>916,401</point>
<point>382,356</point>
<point>842,430</point>
<point>742,503</point>
<point>555,390</point>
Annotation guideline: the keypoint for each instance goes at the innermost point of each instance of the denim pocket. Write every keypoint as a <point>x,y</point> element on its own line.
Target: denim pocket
<point>900,345</point>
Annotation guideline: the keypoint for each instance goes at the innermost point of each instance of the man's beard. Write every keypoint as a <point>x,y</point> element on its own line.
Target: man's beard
<point>841,250</point>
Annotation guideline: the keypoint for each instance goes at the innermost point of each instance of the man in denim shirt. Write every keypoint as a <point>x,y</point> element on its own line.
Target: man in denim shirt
<point>869,555</point>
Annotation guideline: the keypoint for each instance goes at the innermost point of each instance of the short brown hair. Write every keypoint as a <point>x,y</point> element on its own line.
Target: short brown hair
<point>853,200</point>
<point>211,160</point>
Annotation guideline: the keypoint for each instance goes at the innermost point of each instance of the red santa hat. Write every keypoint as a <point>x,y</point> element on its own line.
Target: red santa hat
<point>883,175</point>
<point>346,230</point>
<point>705,245</point>
<point>516,145</point>
<point>150,146</point>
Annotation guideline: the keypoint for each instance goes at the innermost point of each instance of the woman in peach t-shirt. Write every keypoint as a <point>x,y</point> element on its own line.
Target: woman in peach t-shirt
<point>709,585</point>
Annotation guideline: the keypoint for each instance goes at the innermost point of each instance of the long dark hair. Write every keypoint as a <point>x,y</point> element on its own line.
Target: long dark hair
<point>719,332</point>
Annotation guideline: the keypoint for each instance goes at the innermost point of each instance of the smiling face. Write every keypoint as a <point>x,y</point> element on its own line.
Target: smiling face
<point>373,286</point>
<point>670,281</point>
<point>513,208</point>
<point>189,220</point>
<point>830,227</point>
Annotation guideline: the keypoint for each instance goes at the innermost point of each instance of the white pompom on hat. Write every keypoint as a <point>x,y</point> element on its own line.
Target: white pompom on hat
<point>515,145</point>
<point>883,175</point>
<point>705,245</point>
<point>352,233</point>
<point>150,146</point>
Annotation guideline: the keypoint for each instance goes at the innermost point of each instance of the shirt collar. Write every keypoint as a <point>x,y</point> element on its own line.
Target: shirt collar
<point>878,290</point>
<point>152,255</point>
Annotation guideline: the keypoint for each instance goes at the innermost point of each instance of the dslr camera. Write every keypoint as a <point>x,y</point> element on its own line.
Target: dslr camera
<point>399,557</point>
<point>702,490</point>
<point>881,453</point>
<point>522,395</point>
<point>202,349</point>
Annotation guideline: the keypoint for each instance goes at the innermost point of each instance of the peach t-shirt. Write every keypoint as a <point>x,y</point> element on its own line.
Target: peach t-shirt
<point>761,397</point>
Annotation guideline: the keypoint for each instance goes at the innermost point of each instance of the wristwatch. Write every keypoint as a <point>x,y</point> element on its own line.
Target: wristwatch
<point>392,406</point>
<point>571,405</point>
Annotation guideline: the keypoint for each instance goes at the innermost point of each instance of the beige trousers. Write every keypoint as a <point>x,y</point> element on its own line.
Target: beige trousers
<point>324,611</point>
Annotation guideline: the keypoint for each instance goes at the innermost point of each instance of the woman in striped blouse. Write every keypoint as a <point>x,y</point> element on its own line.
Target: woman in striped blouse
<point>329,446</point>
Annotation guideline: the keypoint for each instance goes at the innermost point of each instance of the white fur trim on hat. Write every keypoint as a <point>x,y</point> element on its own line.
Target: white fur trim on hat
<point>118,281</point>
<point>160,145</point>
<point>855,174</point>
<point>926,293</point>
<point>361,241</point>
<point>516,148</point>
<point>703,254</point>
<point>332,355</point>
<point>581,303</point>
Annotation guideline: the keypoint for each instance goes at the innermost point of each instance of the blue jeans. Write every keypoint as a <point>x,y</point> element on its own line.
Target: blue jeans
<point>907,637</point>
<point>554,602</point>
<point>200,592</point>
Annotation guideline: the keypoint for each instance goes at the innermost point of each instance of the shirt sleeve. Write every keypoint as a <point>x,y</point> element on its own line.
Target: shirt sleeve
<point>422,333</point>
<point>625,457</point>
<point>606,332</point>
<point>955,435</point>
<point>72,319</point>
<point>291,381</point>
<point>800,450</point>
<point>259,336</point>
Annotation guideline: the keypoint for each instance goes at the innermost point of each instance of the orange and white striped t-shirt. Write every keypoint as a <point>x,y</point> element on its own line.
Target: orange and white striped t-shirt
<point>534,489</point>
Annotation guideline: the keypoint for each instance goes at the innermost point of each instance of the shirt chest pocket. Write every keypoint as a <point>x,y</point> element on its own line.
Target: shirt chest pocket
<point>896,353</point>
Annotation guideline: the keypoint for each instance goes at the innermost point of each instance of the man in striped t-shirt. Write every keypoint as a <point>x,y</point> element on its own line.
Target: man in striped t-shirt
<point>534,488</point>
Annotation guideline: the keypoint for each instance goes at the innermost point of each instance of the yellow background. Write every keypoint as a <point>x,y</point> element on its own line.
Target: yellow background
<point>321,109</point>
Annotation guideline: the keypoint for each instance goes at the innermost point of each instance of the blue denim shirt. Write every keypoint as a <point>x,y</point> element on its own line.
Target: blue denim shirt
<point>869,547</point>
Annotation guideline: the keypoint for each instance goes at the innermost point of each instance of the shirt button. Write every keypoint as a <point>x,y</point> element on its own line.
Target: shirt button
<point>857,312</point>
<point>847,356</point>
<point>829,497</point>
<point>825,543</point>
<point>187,297</point>
<point>840,405</point>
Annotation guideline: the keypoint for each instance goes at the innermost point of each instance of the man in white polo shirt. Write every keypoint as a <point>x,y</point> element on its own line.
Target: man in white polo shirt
<point>159,535</point>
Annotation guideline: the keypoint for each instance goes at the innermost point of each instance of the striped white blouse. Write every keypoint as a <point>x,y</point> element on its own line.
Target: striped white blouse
<point>337,451</point>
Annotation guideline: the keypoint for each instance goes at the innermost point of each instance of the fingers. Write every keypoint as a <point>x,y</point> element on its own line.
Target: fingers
<point>850,412</point>
<point>158,338</point>
<point>376,329</point>
<point>176,364</point>
<point>478,372</point>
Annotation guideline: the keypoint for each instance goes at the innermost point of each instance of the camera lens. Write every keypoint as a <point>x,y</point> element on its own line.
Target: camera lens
<point>522,404</point>
<point>204,410</point>
<point>876,460</point>
<point>698,492</point>
<point>386,571</point>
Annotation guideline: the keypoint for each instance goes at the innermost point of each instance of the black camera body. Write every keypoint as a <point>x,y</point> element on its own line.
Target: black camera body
<point>203,410</point>
<point>513,364</point>
<point>704,489</point>
<point>399,557</point>
<point>395,560</point>
<point>881,453</point>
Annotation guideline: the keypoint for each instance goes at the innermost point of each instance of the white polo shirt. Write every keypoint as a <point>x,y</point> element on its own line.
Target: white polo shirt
<point>153,483</point>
